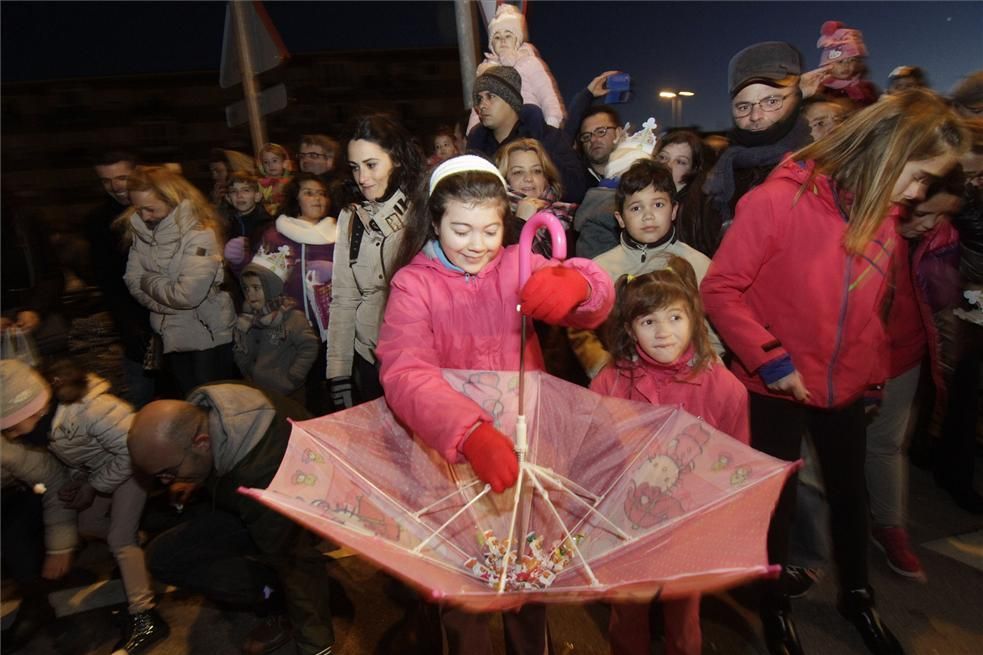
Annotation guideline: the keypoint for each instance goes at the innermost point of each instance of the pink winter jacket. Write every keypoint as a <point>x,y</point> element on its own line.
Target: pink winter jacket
<point>783,284</point>
<point>437,319</point>
<point>714,395</point>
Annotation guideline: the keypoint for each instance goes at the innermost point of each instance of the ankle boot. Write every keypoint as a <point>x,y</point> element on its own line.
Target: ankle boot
<point>781,636</point>
<point>857,606</point>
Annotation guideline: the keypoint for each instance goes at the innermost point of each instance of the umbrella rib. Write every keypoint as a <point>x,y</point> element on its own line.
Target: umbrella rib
<point>574,488</point>
<point>515,515</point>
<point>463,509</point>
<point>382,493</point>
<point>573,544</point>
<point>423,510</point>
<point>557,479</point>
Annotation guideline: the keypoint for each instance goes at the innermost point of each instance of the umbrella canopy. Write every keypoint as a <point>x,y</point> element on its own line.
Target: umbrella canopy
<point>617,500</point>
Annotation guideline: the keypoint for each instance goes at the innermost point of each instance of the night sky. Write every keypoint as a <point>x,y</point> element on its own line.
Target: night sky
<point>662,45</point>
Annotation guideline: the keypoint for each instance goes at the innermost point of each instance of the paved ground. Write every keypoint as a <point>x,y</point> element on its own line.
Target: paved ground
<point>942,617</point>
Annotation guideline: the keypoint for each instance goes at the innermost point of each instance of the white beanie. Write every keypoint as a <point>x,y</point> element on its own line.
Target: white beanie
<point>23,392</point>
<point>508,19</point>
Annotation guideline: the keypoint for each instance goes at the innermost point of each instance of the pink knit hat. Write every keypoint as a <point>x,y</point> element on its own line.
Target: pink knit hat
<point>23,392</point>
<point>839,42</point>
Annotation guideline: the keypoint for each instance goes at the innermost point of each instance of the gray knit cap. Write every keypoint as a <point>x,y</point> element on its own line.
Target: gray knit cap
<point>503,81</point>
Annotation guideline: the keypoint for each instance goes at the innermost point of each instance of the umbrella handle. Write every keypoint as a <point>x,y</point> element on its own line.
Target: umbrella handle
<point>558,237</point>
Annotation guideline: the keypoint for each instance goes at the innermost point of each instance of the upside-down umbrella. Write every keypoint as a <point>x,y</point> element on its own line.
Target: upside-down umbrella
<point>615,499</point>
<point>620,500</point>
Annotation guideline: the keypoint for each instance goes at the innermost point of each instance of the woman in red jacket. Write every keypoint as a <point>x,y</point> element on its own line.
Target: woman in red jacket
<point>794,291</point>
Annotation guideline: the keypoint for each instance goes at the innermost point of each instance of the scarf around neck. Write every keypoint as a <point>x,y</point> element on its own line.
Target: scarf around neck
<point>720,186</point>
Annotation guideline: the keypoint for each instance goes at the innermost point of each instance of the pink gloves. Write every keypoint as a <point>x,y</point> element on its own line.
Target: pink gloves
<point>553,292</point>
<point>492,457</point>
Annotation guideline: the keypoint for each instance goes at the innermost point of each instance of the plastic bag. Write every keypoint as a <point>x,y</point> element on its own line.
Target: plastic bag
<point>18,344</point>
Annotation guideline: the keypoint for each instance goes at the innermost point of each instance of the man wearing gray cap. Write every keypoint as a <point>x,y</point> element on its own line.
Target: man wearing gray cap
<point>763,80</point>
<point>503,118</point>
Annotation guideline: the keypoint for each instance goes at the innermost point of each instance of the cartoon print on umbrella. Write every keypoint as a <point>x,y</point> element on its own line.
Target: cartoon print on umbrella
<point>649,499</point>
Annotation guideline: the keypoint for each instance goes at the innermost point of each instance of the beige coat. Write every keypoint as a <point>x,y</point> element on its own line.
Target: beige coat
<point>175,271</point>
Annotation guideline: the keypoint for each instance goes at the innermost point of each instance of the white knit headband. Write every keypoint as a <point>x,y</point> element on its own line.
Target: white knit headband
<point>463,164</point>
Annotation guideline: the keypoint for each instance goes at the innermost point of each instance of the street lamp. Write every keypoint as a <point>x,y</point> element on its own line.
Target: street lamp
<point>676,100</point>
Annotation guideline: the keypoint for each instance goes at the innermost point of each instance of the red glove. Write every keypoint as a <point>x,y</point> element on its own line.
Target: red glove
<point>492,457</point>
<point>553,292</point>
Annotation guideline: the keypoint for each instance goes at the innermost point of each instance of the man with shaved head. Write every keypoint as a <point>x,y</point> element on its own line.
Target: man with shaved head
<point>237,551</point>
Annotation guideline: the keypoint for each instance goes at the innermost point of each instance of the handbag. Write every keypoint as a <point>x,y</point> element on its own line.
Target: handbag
<point>153,356</point>
<point>18,344</point>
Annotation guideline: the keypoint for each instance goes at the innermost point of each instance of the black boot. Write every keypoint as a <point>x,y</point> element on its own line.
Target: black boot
<point>142,631</point>
<point>780,634</point>
<point>34,613</point>
<point>857,606</point>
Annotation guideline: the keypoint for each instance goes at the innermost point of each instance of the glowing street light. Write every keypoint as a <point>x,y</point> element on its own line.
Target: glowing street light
<point>676,100</point>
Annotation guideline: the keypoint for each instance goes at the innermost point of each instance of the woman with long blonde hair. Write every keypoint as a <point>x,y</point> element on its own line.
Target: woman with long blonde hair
<point>794,291</point>
<point>174,269</point>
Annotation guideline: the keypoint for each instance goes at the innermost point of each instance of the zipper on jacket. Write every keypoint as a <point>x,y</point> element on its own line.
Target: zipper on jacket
<point>839,332</point>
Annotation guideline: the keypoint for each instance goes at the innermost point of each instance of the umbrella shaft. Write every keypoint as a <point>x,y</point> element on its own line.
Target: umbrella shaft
<point>522,367</point>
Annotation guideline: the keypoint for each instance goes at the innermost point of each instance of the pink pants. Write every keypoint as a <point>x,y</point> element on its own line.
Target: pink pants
<point>629,627</point>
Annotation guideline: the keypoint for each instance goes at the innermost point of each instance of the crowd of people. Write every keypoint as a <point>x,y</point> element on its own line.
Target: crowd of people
<point>797,282</point>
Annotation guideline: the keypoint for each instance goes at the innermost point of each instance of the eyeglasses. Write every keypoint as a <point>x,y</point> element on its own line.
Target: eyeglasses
<point>599,132</point>
<point>311,155</point>
<point>769,104</point>
<point>169,476</point>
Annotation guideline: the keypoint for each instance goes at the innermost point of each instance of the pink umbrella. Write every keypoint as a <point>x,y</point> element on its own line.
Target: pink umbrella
<point>620,500</point>
<point>615,499</point>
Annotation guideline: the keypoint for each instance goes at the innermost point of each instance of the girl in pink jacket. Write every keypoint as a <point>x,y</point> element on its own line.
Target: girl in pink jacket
<point>452,304</point>
<point>660,342</point>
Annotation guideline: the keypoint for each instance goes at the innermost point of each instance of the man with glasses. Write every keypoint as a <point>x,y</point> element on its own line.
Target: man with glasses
<point>600,133</point>
<point>234,550</point>
<point>503,118</point>
<point>765,105</point>
<point>596,129</point>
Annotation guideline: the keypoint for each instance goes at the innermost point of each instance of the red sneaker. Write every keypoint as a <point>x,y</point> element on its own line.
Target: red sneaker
<point>900,557</point>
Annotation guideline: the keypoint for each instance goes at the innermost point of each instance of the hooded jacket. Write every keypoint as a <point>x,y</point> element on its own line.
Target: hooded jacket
<point>531,125</point>
<point>782,284</point>
<point>90,436</point>
<point>175,270</point>
<point>249,431</point>
<point>439,318</point>
<point>714,395</point>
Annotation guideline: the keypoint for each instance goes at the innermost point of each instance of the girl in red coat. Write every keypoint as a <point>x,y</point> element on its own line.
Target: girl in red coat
<point>794,291</point>
<point>662,355</point>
